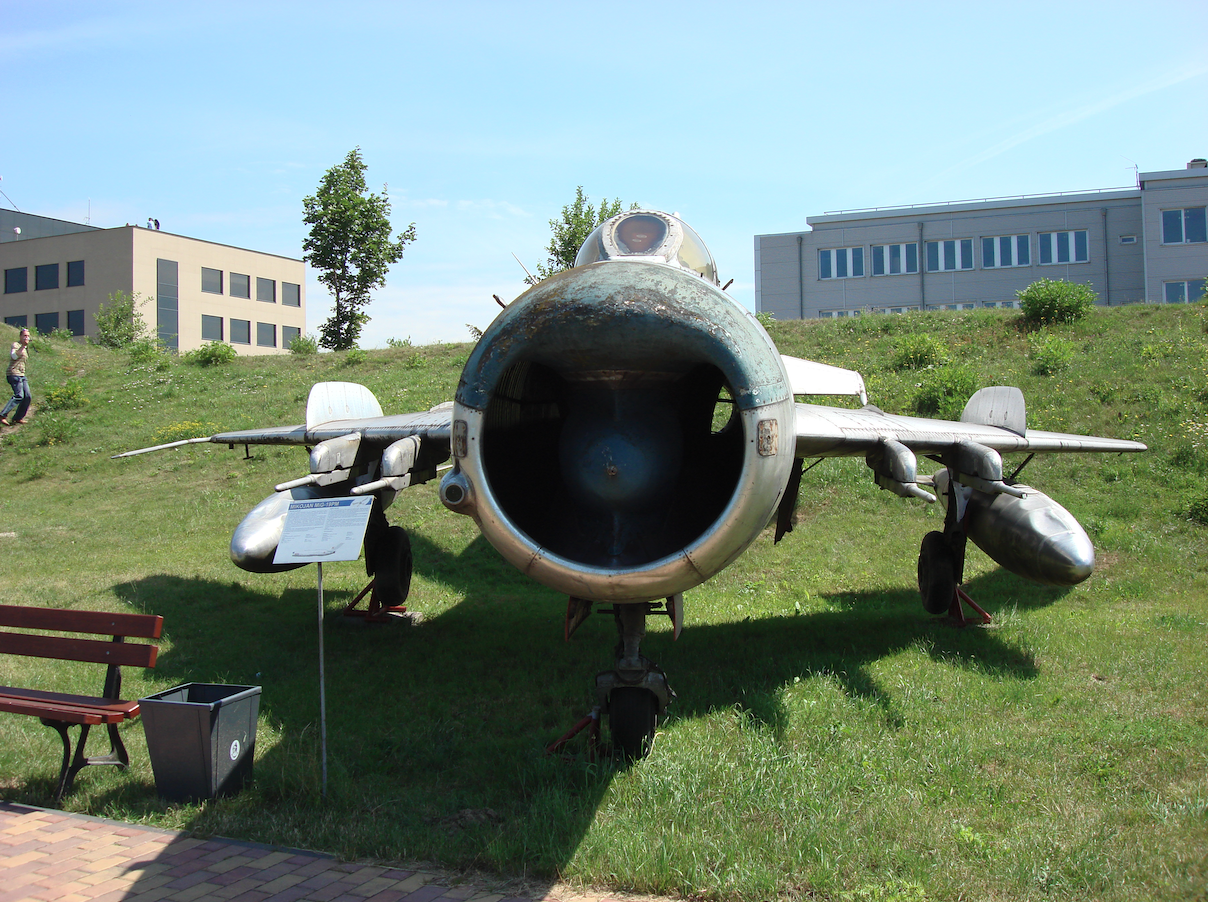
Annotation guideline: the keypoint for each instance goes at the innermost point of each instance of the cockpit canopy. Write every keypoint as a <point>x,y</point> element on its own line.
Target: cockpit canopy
<point>652,236</point>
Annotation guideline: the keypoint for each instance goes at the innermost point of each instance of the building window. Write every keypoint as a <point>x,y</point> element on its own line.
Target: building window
<point>288,334</point>
<point>241,285</point>
<point>75,273</point>
<point>266,335</point>
<point>1128,239</point>
<point>167,303</point>
<point>947,256</point>
<point>892,259</point>
<point>1064,247</point>
<point>211,327</point>
<point>45,323</point>
<point>1006,250</point>
<point>266,290</point>
<point>841,263</point>
<point>291,294</point>
<point>46,276</point>
<point>211,280</point>
<point>19,322</point>
<point>16,280</point>
<point>75,322</point>
<point>1186,226</point>
<point>241,332</point>
<point>1183,292</point>
<point>957,307</point>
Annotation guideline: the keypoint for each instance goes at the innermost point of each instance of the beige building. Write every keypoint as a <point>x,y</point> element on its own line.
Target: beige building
<point>57,274</point>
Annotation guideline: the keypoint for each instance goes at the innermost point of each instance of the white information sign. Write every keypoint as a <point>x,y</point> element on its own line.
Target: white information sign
<point>325,529</point>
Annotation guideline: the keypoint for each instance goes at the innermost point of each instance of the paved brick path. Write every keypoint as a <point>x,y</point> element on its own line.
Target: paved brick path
<point>60,857</point>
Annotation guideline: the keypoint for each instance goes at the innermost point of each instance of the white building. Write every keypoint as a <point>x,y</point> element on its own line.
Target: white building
<point>1143,244</point>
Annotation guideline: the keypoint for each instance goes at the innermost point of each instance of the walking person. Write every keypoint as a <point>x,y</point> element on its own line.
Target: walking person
<point>16,379</point>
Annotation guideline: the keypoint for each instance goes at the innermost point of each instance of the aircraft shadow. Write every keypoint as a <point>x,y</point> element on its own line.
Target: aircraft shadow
<point>456,711</point>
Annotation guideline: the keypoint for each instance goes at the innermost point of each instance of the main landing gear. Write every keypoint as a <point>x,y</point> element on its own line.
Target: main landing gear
<point>942,563</point>
<point>635,693</point>
<point>388,560</point>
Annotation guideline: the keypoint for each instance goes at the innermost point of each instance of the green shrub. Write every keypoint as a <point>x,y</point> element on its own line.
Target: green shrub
<point>943,392</point>
<point>355,357</point>
<point>65,397</point>
<point>214,353</point>
<point>1197,511</point>
<point>61,334</point>
<point>146,350</point>
<point>398,342</point>
<point>1048,301</point>
<point>918,351</point>
<point>57,430</point>
<point>765,318</point>
<point>119,324</point>
<point>303,345</point>
<point>1050,354</point>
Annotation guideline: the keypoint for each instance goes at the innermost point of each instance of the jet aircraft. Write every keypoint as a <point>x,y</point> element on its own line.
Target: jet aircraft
<point>624,430</point>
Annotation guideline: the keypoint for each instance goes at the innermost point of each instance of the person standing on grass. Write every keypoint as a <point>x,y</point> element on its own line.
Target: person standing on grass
<point>16,379</point>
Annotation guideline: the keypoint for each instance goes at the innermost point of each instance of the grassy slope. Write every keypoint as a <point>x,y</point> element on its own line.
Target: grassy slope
<point>828,737</point>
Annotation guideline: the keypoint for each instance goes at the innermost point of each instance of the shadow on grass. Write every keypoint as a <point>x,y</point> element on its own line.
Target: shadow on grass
<point>436,732</point>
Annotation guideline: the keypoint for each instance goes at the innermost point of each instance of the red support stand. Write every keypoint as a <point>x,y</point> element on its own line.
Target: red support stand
<point>591,723</point>
<point>376,612</point>
<point>956,612</point>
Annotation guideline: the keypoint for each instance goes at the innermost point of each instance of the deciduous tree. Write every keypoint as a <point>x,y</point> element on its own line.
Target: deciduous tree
<point>350,244</point>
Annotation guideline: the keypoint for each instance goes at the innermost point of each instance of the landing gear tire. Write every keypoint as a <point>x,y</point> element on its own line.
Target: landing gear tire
<point>937,582</point>
<point>393,578</point>
<point>632,717</point>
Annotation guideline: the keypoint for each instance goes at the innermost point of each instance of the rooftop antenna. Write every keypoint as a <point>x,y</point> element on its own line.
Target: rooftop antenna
<point>1135,169</point>
<point>9,199</point>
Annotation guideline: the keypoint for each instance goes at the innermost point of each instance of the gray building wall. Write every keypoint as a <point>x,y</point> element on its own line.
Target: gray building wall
<point>1126,260</point>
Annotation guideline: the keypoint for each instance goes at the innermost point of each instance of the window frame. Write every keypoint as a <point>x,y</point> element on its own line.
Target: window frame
<point>210,337</point>
<point>1051,243</point>
<point>221,280</point>
<point>961,254</point>
<point>852,259</point>
<point>24,280</point>
<point>246,324</point>
<point>1201,224</point>
<point>237,292</point>
<point>75,273</point>
<point>1014,242</point>
<point>260,332</point>
<point>286,294</point>
<point>886,259</point>
<point>46,269</point>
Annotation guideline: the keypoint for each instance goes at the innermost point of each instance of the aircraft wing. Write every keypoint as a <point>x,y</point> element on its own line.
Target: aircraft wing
<point>433,425</point>
<point>835,432</point>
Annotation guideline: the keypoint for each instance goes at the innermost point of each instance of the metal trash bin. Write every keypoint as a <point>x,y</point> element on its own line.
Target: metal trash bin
<point>201,738</point>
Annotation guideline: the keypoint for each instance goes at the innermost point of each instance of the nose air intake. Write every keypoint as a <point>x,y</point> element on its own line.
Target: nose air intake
<point>612,422</point>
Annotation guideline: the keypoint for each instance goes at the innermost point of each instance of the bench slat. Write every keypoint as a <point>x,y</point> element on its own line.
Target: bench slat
<point>70,708</point>
<point>140,626</point>
<point>95,651</point>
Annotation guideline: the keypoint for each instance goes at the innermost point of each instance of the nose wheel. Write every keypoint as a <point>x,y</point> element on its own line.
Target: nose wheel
<point>632,719</point>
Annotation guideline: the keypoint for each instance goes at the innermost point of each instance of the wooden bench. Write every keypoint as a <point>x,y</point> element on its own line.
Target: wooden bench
<point>61,711</point>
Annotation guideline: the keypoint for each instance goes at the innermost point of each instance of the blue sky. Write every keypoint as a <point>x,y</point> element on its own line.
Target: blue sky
<point>218,118</point>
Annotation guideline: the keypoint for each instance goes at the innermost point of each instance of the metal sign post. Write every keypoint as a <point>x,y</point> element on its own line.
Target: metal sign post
<point>328,529</point>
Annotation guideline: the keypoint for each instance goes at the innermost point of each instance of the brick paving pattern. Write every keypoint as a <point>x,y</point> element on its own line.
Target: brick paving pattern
<point>54,856</point>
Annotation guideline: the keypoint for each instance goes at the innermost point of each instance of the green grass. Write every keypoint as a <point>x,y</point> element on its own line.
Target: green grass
<point>829,740</point>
